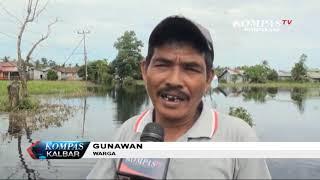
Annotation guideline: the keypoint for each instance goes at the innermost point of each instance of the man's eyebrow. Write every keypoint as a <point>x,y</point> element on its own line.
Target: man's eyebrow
<point>163,60</point>
<point>192,64</point>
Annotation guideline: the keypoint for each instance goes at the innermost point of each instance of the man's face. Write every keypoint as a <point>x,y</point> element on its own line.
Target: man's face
<point>176,79</point>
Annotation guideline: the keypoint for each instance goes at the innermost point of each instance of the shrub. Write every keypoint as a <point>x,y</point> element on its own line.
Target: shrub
<point>28,104</point>
<point>52,75</point>
<point>128,81</point>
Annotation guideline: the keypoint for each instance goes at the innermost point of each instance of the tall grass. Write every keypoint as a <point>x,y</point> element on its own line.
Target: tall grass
<point>63,88</point>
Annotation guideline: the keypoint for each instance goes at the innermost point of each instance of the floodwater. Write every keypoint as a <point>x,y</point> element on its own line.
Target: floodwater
<point>279,115</point>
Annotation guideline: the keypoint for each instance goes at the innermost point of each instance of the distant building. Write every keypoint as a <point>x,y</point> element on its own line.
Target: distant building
<point>38,74</point>
<point>314,75</point>
<point>284,75</point>
<point>9,71</point>
<point>67,73</point>
<point>231,76</point>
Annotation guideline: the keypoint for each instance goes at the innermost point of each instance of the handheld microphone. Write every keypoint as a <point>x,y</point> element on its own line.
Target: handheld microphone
<point>145,168</point>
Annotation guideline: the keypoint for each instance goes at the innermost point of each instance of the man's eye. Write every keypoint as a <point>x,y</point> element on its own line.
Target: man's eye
<point>161,65</point>
<point>192,69</point>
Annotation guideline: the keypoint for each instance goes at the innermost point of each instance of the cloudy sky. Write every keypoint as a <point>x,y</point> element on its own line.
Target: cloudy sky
<point>107,20</point>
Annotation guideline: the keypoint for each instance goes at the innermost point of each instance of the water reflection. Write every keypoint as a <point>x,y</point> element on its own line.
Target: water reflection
<point>298,95</point>
<point>256,94</point>
<point>23,124</point>
<point>261,95</point>
<point>128,99</point>
<point>17,127</point>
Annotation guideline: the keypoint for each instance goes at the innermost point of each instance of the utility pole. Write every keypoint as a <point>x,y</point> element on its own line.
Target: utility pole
<point>83,32</point>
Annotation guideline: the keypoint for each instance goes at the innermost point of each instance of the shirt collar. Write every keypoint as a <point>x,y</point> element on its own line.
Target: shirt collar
<point>205,126</point>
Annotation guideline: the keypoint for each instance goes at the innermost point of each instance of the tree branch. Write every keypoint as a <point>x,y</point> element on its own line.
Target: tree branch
<point>41,10</point>
<point>40,40</point>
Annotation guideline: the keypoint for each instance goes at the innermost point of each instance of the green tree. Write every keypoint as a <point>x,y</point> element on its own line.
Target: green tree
<point>51,63</point>
<point>37,63</point>
<point>272,75</point>
<point>126,63</point>
<point>299,70</point>
<point>265,63</point>
<point>52,75</point>
<point>44,61</point>
<point>256,74</point>
<point>98,72</point>
<point>6,58</point>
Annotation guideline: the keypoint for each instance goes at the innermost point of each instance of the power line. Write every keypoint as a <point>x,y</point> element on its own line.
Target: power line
<point>10,14</point>
<point>8,35</point>
<point>74,50</point>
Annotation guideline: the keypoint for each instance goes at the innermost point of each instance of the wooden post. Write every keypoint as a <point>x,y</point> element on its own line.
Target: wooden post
<point>13,92</point>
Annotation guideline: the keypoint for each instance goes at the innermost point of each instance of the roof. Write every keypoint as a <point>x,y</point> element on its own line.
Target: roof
<point>313,74</point>
<point>284,73</point>
<point>8,67</point>
<point>67,69</point>
<point>314,70</point>
<point>232,72</point>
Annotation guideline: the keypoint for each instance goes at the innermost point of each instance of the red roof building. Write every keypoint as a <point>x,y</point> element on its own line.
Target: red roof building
<point>8,71</point>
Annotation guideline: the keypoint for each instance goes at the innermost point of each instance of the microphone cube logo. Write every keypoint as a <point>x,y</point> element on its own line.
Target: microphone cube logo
<point>57,149</point>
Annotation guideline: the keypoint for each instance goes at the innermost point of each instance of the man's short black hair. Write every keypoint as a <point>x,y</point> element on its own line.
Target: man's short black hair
<point>182,31</point>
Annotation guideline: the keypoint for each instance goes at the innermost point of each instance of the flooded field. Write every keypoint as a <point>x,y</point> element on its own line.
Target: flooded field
<point>279,115</point>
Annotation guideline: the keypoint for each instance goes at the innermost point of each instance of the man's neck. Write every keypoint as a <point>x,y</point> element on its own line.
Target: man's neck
<point>175,128</point>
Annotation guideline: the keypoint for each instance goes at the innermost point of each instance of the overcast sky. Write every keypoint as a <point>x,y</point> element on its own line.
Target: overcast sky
<point>107,20</point>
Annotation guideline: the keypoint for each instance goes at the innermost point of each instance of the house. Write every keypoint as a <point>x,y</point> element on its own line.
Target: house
<point>67,73</point>
<point>231,75</point>
<point>314,75</point>
<point>9,71</point>
<point>38,74</point>
<point>284,75</point>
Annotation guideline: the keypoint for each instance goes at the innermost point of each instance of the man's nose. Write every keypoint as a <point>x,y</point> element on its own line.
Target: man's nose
<point>175,77</point>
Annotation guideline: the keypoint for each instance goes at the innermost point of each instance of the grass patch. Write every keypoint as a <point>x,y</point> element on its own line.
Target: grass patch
<point>63,88</point>
<point>4,103</point>
<point>56,88</point>
<point>139,82</point>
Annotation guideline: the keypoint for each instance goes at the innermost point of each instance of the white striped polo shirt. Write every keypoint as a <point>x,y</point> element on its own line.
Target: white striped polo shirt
<point>211,126</point>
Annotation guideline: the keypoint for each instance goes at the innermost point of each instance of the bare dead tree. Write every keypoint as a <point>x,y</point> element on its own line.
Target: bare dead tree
<point>33,12</point>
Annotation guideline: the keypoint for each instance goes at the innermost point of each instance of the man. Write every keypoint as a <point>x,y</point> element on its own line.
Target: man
<point>177,74</point>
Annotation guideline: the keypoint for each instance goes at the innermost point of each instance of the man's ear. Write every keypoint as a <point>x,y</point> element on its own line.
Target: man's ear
<point>143,68</point>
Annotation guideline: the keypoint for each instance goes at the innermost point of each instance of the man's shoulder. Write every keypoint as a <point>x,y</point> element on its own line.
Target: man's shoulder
<point>126,131</point>
<point>235,129</point>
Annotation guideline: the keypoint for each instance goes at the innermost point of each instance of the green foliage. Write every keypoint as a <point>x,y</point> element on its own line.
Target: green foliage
<point>28,104</point>
<point>299,95</point>
<point>272,75</point>
<point>256,74</point>
<point>234,78</point>
<point>241,113</point>
<point>4,103</point>
<point>98,71</point>
<point>128,81</point>
<point>52,75</point>
<point>129,55</point>
<point>299,70</point>
<point>260,73</point>
<point>222,81</point>
<point>219,70</point>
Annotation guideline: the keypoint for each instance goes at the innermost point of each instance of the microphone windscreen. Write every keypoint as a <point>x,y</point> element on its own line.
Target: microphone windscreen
<point>152,132</point>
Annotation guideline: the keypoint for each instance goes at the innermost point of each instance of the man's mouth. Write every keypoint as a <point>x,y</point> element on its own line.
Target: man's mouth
<point>173,97</point>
